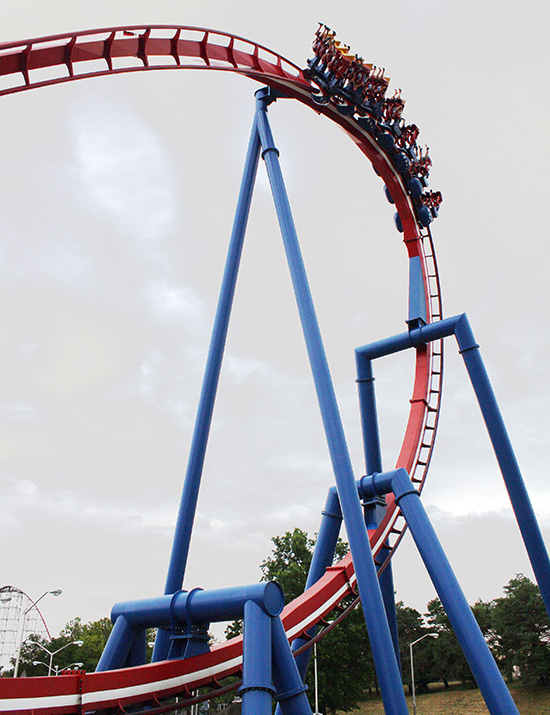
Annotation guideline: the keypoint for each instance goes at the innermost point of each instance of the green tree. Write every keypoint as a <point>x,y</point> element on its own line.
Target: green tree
<point>449,662</point>
<point>411,627</point>
<point>522,632</point>
<point>93,635</point>
<point>290,561</point>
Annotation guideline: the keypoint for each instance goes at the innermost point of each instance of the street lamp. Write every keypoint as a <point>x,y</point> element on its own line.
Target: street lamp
<point>57,670</point>
<point>21,625</point>
<point>55,652</point>
<point>432,635</point>
<point>316,679</point>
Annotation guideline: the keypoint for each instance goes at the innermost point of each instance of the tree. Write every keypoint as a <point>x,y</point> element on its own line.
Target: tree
<point>94,636</point>
<point>449,662</point>
<point>410,627</point>
<point>289,562</point>
<point>522,632</point>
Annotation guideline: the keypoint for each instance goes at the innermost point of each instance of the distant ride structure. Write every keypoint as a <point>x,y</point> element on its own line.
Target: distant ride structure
<point>376,507</point>
<point>13,603</point>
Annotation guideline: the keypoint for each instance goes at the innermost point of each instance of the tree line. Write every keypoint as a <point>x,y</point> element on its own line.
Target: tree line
<point>515,626</point>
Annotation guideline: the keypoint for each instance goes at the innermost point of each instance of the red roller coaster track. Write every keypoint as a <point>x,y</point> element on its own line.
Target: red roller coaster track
<point>45,61</point>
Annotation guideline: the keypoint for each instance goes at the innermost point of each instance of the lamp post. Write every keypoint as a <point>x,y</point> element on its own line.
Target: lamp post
<point>316,679</point>
<point>57,670</point>
<point>55,652</point>
<point>432,635</point>
<point>21,625</point>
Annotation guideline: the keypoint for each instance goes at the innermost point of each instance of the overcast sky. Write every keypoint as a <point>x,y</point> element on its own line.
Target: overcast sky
<point>116,203</point>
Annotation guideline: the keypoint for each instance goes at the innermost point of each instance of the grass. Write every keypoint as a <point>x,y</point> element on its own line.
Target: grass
<point>456,701</point>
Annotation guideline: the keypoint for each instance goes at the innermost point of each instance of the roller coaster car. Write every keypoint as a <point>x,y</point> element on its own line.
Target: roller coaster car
<point>358,89</point>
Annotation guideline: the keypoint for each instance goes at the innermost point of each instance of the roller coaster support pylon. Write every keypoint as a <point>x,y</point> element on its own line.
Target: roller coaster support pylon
<point>459,326</point>
<point>387,668</point>
<point>190,494</point>
<point>482,664</point>
<point>323,556</point>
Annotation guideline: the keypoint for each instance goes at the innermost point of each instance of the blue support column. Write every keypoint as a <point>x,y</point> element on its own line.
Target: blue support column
<point>373,463</point>
<point>377,625</point>
<point>138,651</point>
<point>118,646</point>
<point>257,689</point>
<point>369,414</point>
<point>323,557</point>
<point>388,594</point>
<point>188,503</point>
<point>417,293</point>
<point>291,692</point>
<point>509,467</point>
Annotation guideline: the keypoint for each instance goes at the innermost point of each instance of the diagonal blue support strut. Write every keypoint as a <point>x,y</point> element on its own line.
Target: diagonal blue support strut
<point>481,662</point>
<point>190,494</point>
<point>367,581</point>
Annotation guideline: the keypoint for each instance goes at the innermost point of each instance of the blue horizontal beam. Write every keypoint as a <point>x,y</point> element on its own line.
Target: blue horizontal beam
<point>198,606</point>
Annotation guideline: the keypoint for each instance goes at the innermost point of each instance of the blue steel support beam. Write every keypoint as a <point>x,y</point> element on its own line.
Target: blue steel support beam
<point>323,557</point>
<point>369,415</point>
<point>198,606</point>
<point>417,293</point>
<point>186,611</point>
<point>138,651</point>
<point>367,581</point>
<point>118,646</point>
<point>482,664</point>
<point>509,467</point>
<point>257,689</point>
<point>388,594</point>
<point>188,503</point>
<point>410,339</point>
<point>373,463</point>
<point>286,676</point>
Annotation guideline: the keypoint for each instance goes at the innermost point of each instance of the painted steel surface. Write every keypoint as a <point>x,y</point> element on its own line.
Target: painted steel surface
<point>111,51</point>
<point>473,644</point>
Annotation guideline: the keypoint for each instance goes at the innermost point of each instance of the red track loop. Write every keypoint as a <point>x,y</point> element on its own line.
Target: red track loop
<point>64,58</point>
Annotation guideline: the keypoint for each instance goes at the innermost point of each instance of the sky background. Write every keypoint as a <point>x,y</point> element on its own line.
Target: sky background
<point>116,203</point>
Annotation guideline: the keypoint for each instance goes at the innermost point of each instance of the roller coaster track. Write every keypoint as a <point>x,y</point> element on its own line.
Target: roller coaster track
<point>57,59</point>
